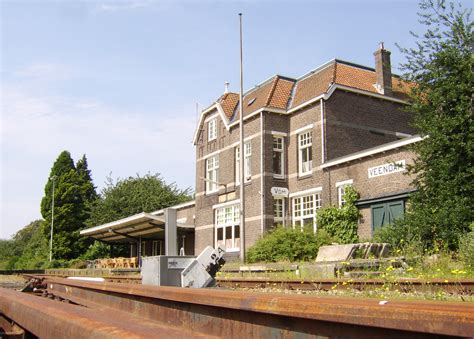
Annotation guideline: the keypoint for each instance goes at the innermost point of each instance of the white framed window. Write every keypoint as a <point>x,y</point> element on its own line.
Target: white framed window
<point>212,129</point>
<point>212,174</point>
<point>278,211</point>
<point>228,228</point>
<point>341,190</point>
<point>304,210</point>
<point>278,157</point>
<point>247,163</point>
<point>305,153</point>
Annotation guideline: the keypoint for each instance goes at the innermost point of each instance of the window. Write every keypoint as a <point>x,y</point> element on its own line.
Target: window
<point>305,160</point>
<point>304,210</point>
<point>212,174</point>
<point>386,213</point>
<point>247,163</point>
<point>212,129</point>
<point>278,211</point>
<point>341,190</point>
<point>278,159</point>
<point>156,248</point>
<point>228,228</point>
<point>143,249</point>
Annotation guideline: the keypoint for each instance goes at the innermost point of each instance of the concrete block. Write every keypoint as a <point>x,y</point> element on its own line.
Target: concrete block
<point>335,252</point>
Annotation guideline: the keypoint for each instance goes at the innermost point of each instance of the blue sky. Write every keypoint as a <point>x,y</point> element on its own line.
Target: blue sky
<point>119,80</point>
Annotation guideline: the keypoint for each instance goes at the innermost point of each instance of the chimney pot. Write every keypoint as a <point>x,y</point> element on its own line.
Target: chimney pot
<point>226,87</point>
<point>383,70</point>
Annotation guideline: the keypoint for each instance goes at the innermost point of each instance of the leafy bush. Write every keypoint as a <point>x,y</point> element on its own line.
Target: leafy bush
<point>342,222</point>
<point>466,248</point>
<point>97,250</point>
<point>288,244</point>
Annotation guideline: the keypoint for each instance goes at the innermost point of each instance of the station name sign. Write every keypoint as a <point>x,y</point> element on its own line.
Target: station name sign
<point>279,191</point>
<point>393,167</point>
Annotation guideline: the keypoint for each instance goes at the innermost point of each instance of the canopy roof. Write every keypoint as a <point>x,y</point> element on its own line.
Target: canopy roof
<point>144,225</point>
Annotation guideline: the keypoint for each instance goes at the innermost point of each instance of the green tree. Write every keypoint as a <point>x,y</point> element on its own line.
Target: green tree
<point>440,66</point>
<point>133,195</point>
<point>73,194</point>
<point>27,248</point>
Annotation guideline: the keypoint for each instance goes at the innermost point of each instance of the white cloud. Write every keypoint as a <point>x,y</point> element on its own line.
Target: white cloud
<point>35,129</point>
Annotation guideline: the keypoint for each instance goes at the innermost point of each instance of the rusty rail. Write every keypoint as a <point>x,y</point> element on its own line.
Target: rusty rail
<point>245,314</point>
<point>460,286</point>
<point>47,318</point>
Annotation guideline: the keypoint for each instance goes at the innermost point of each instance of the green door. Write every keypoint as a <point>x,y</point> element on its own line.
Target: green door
<point>386,213</point>
<point>395,210</point>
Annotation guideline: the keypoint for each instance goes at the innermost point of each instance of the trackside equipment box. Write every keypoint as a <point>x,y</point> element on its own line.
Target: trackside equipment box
<point>164,270</point>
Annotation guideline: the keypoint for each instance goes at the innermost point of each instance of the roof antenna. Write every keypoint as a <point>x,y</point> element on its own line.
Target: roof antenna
<point>226,87</point>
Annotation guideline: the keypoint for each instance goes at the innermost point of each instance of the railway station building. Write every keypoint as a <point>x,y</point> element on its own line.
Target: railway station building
<point>305,140</point>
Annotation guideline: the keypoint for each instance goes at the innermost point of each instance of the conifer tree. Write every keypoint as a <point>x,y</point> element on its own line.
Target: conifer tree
<point>73,193</point>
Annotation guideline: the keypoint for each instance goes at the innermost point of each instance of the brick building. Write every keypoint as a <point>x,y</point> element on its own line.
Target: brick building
<point>305,140</point>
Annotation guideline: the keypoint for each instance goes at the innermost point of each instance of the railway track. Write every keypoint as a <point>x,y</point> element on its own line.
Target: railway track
<point>459,286</point>
<point>82,309</point>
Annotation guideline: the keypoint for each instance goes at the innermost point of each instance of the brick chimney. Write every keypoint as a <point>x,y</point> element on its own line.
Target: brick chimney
<point>383,69</point>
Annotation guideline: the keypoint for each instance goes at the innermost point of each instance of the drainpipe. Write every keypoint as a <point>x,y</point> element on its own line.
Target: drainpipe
<point>323,145</point>
<point>262,175</point>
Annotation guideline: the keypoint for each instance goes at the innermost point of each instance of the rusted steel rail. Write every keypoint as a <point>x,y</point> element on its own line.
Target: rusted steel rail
<point>244,314</point>
<point>460,286</point>
<point>455,286</point>
<point>48,318</point>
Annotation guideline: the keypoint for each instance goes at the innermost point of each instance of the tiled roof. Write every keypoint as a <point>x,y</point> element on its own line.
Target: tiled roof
<point>286,93</point>
<point>313,85</point>
<point>229,101</point>
<point>364,79</point>
<point>280,95</point>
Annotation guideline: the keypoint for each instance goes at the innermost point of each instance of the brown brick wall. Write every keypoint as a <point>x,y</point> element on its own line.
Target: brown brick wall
<point>356,122</point>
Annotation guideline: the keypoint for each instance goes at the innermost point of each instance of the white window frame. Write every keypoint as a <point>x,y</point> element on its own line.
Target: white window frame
<point>247,163</point>
<point>225,217</point>
<point>279,218</point>
<point>340,186</point>
<point>305,146</point>
<point>300,206</point>
<point>280,148</point>
<point>212,174</point>
<point>212,129</point>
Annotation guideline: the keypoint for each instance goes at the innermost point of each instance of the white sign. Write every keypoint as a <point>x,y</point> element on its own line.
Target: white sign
<point>279,191</point>
<point>397,166</point>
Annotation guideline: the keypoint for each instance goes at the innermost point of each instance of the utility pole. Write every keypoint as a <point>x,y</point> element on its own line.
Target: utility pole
<point>242,152</point>
<point>53,179</point>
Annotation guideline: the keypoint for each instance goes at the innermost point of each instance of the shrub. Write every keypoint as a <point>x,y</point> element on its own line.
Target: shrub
<point>288,244</point>
<point>466,248</point>
<point>342,222</point>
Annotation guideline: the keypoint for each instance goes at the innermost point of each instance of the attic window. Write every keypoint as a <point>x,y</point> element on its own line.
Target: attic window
<point>251,101</point>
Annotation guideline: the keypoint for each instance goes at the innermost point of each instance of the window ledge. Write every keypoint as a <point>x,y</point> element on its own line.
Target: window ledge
<point>305,175</point>
<point>207,194</point>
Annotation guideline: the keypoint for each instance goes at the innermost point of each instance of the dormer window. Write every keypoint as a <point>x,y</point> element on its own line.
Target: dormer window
<point>212,129</point>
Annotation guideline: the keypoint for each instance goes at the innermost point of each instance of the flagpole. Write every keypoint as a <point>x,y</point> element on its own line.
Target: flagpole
<point>242,152</point>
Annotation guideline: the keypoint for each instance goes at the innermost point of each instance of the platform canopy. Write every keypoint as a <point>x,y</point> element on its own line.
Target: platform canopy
<point>142,225</point>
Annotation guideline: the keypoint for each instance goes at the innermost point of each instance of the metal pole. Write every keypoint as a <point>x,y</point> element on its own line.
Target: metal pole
<point>53,178</point>
<point>242,151</point>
